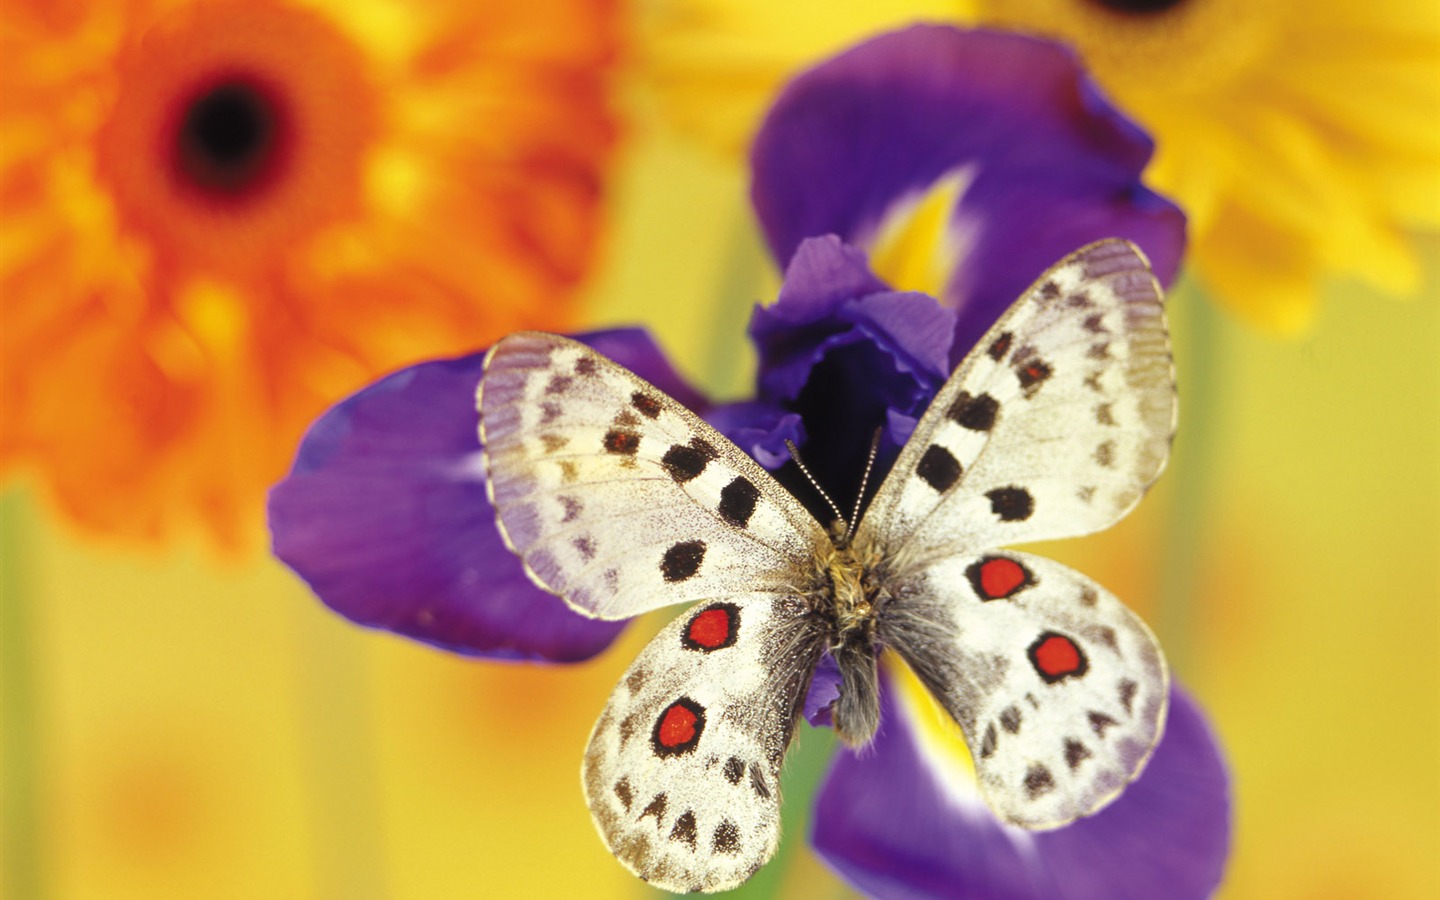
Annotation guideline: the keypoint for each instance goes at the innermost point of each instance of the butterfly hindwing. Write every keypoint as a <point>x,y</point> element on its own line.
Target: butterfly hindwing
<point>618,498</point>
<point>1053,426</point>
<point>1060,690</point>
<point>682,773</point>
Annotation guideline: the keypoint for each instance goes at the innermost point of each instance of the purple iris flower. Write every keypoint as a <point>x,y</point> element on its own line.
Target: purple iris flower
<point>385,516</point>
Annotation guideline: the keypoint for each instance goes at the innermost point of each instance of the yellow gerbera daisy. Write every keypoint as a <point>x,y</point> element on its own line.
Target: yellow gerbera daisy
<point>1302,139</point>
<point>221,216</point>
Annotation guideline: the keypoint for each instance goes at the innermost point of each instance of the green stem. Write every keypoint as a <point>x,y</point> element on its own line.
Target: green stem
<point>1201,366</point>
<point>805,766</point>
<point>738,289</point>
<point>20,739</point>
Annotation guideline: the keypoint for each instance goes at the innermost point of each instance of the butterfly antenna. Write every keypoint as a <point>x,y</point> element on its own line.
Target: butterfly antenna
<point>795,455</point>
<point>864,483</point>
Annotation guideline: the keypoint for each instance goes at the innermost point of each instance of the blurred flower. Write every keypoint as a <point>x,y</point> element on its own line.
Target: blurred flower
<point>1296,136</point>
<point>385,513</point>
<point>219,216</point>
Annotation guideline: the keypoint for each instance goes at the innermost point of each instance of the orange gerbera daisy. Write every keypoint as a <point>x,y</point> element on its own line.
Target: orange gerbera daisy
<point>220,216</point>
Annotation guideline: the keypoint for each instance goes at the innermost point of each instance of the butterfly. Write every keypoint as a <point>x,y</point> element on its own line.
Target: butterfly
<point>620,500</point>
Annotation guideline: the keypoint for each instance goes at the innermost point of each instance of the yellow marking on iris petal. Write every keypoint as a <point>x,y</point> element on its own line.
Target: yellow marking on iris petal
<point>918,244</point>
<point>937,734</point>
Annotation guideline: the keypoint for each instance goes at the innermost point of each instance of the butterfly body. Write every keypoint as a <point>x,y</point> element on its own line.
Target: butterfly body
<point>620,500</point>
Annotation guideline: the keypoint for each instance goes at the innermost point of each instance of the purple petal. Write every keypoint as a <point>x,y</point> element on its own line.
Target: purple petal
<point>385,516</point>
<point>760,429</point>
<point>824,273</point>
<point>890,824</point>
<point>824,691</point>
<point>1049,164</point>
<point>845,354</point>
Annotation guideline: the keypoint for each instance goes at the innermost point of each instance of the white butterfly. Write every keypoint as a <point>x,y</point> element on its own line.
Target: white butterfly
<point>620,500</point>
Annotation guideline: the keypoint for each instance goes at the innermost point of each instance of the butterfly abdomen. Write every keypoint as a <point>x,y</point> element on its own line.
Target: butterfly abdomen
<point>848,595</point>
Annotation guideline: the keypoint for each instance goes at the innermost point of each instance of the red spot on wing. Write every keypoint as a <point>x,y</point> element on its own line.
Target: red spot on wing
<point>998,577</point>
<point>1056,656</point>
<point>677,726</point>
<point>711,629</point>
<point>1001,577</point>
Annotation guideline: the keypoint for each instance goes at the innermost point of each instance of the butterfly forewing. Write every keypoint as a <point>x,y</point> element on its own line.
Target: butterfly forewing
<point>1060,690</point>
<point>619,499</point>
<point>1053,426</point>
<point>682,773</point>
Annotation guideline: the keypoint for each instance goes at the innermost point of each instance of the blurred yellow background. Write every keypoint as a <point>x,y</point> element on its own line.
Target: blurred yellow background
<point>206,728</point>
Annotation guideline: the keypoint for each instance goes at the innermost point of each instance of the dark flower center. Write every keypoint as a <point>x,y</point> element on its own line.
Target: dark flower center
<point>230,138</point>
<point>845,398</point>
<point>1138,7</point>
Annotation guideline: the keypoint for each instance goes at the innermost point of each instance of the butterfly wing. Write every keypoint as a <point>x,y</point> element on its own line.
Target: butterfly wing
<point>1060,690</point>
<point>682,773</point>
<point>1055,424</point>
<point>619,499</point>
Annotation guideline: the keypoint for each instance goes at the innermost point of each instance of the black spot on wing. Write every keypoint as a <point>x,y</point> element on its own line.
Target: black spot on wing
<point>734,769</point>
<point>648,406</point>
<point>684,830</point>
<point>622,442</point>
<point>1099,722</point>
<point>1075,753</point>
<point>987,746</point>
<point>656,808</point>
<point>624,794</point>
<point>938,468</point>
<point>1011,504</point>
<point>1127,695</point>
<point>585,547</point>
<point>1010,719</point>
<point>975,413</point>
<point>682,560</point>
<point>584,366</point>
<point>685,462</point>
<point>1038,781</point>
<point>737,501</point>
<point>726,838</point>
<point>1032,374</point>
<point>1001,346</point>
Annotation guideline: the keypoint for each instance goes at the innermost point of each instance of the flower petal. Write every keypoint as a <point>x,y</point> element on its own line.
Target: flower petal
<point>385,516</point>
<point>1039,162</point>
<point>895,822</point>
<point>847,355</point>
<point>823,692</point>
